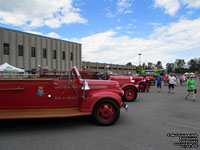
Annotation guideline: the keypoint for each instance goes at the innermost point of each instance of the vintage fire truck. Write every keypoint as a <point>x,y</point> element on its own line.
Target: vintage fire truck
<point>127,84</point>
<point>143,84</point>
<point>151,80</point>
<point>64,97</point>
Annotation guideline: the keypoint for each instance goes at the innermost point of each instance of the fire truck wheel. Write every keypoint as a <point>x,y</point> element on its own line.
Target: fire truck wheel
<point>153,82</point>
<point>130,94</point>
<point>142,87</point>
<point>106,112</point>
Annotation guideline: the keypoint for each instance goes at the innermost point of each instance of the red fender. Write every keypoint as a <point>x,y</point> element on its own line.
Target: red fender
<point>88,104</point>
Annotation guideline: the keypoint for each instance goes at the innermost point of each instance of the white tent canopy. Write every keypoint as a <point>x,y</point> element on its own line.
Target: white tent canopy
<point>8,68</point>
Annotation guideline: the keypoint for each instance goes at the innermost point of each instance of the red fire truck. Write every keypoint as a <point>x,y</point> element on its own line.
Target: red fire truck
<point>64,97</point>
<point>126,83</point>
<point>142,83</point>
<point>151,80</point>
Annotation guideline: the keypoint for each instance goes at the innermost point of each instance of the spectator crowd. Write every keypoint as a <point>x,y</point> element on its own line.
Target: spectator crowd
<point>173,80</point>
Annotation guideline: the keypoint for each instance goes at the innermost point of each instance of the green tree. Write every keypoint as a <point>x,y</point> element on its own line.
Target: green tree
<point>140,70</point>
<point>144,66</point>
<point>180,66</point>
<point>170,67</point>
<point>150,65</point>
<point>194,65</point>
<point>159,65</point>
<point>129,64</point>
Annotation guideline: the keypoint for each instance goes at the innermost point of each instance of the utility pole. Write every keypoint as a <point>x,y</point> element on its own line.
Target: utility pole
<point>139,59</point>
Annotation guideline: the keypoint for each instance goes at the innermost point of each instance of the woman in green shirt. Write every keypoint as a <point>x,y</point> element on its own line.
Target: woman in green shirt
<point>191,87</point>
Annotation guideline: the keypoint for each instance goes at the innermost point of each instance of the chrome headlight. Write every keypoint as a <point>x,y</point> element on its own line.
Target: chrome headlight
<point>132,81</point>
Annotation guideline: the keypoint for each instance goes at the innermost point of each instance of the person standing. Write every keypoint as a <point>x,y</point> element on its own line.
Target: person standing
<point>191,88</point>
<point>172,81</point>
<point>177,79</point>
<point>181,80</point>
<point>165,80</point>
<point>159,82</point>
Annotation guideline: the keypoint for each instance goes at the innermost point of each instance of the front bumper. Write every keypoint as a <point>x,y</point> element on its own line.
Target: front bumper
<point>125,106</point>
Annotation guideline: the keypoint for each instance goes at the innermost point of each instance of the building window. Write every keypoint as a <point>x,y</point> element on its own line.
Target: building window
<point>63,55</point>
<point>71,56</point>
<point>44,53</point>
<point>5,48</point>
<point>20,50</point>
<point>33,52</point>
<point>54,54</point>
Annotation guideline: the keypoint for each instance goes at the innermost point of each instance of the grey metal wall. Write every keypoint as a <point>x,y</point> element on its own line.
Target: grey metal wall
<point>15,38</point>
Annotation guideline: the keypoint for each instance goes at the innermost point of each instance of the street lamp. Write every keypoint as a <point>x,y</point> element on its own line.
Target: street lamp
<point>139,59</point>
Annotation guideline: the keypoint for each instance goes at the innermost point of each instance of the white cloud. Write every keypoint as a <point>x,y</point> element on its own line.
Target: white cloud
<point>192,3</point>
<point>118,28</point>
<point>170,6</point>
<point>185,31</point>
<point>51,34</point>
<point>166,44</point>
<point>53,22</point>
<point>54,35</point>
<point>110,15</point>
<point>34,32</point>
<point>36,13</point>
<point>123,6</point>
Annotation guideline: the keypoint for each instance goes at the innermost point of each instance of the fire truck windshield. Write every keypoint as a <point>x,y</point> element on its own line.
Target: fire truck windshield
<point>78,73</point>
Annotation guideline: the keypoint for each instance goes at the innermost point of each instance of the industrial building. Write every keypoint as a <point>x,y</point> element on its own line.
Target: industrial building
<point>28,51</point>
<point>95,67</point>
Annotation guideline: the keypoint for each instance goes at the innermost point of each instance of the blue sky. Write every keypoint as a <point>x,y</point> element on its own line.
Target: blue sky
<point>113,31</point>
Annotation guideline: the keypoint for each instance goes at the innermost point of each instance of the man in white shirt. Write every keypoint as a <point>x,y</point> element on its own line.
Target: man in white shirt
<point>172,81</point>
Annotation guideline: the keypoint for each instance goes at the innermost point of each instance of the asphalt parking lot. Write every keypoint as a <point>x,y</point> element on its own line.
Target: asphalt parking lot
<point>155,121</point>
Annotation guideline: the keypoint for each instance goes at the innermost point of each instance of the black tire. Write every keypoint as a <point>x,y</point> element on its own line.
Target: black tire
<point>128,91</point>
<point>106,112</point>
<point>153,82</point>
<point>142,89</point>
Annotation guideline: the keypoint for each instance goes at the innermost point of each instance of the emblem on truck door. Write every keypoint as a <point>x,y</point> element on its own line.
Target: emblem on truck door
<point>40,91</point>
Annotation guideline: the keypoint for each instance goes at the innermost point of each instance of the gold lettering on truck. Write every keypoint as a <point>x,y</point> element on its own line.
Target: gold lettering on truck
<point>65,98</point>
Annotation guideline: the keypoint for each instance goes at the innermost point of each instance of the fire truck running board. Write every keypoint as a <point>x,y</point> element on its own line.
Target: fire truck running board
<point>41,113</point>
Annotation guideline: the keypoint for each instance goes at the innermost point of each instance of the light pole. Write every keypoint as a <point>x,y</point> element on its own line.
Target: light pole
<point>139,59</point>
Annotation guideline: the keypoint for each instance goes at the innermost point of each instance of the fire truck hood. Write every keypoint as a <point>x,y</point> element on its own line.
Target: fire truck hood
<point>102,84</point>
<point>120,77</point>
